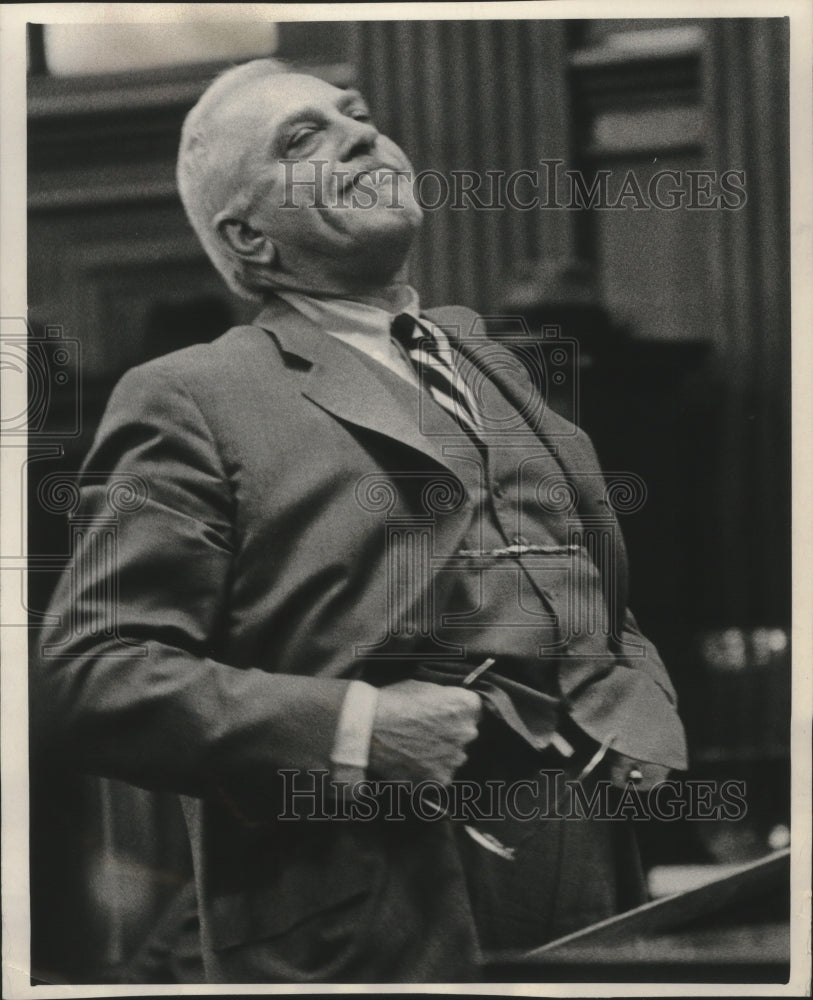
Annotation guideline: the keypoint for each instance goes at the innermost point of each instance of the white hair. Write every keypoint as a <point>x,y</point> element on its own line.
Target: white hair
<point>206,172</point>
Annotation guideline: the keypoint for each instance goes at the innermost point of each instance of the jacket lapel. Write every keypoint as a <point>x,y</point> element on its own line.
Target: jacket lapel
<point>356,389</point>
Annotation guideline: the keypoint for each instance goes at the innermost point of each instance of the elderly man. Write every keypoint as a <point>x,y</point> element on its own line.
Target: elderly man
<point>343,567</point>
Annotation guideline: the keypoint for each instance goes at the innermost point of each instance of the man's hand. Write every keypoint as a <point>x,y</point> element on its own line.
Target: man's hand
<point>421,731</point>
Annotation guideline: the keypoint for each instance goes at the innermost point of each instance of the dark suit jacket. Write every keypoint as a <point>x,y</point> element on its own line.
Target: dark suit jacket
<point>242,587</point>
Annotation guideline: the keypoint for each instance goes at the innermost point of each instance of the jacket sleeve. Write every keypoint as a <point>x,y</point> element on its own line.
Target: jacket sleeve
<point>632,700</point>
<point>129,685</point>
<point>655,731</point>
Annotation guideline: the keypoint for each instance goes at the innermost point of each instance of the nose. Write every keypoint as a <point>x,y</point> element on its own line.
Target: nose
<point>359,138</point>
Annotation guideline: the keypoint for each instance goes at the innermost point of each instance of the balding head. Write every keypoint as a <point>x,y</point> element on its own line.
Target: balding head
<point>264,169</point>
<point>209,164</point>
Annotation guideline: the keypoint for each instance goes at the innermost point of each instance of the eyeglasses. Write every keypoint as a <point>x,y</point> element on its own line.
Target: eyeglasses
<point>488,840</point>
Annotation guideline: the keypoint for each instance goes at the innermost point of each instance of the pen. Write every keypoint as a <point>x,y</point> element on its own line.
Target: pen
<point>469,679</point>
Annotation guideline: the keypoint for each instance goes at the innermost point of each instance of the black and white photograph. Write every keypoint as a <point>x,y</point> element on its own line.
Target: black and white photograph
<point>406,547</point>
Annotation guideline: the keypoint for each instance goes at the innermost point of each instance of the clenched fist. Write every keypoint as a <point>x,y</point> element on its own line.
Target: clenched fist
<point>421,731</point>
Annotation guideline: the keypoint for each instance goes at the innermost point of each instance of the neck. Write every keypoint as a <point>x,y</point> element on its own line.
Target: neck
<point>386,293</point>
<point>391,298</point>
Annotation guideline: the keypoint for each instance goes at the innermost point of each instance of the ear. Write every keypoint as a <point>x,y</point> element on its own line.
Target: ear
<point>248,243</point>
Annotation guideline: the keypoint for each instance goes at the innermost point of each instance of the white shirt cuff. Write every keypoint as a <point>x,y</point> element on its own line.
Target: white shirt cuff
<point>351,746</point>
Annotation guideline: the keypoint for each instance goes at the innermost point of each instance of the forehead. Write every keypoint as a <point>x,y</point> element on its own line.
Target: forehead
<point>278,97</point>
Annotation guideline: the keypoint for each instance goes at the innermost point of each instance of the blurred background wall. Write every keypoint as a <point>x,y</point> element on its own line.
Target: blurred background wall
<point>680,321</point>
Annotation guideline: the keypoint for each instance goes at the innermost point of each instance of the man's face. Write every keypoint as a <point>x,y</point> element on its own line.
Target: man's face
<point>332,194</point>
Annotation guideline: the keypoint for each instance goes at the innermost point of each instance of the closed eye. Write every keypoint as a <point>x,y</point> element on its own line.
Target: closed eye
<point>298,137</point>
<point>359,114</point>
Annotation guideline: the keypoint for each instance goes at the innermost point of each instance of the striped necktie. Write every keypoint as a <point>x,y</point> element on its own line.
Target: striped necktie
<point>431,355</point>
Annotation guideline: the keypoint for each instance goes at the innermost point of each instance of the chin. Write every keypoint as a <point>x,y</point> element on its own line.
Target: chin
<point>386,261</point>
<point>384,248</point>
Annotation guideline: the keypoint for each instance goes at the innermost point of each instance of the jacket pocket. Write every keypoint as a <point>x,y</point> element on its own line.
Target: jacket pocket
<point>322,872</point>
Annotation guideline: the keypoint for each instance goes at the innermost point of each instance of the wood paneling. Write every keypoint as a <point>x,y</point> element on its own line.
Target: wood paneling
<point>749,257</point>
<point>472,96</point>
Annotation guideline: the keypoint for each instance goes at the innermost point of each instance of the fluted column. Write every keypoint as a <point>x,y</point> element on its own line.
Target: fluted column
<point>471,96</point>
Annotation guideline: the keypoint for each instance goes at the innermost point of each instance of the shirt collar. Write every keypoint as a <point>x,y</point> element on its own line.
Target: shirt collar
<point>362,316</point>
